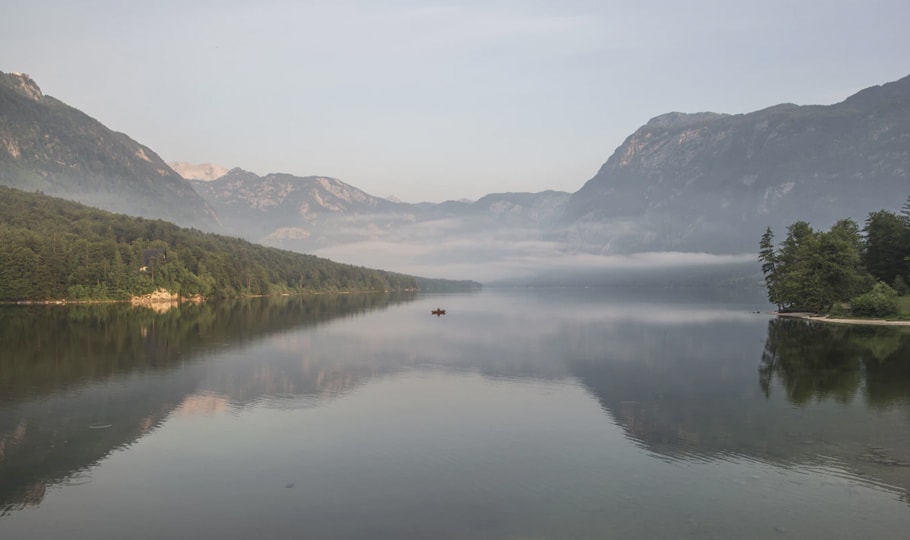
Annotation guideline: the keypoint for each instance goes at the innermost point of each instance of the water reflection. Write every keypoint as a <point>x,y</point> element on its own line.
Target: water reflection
<point>814,362</point>
<point>509,401</point>
<point>79,381</point>
<point>828,396</point>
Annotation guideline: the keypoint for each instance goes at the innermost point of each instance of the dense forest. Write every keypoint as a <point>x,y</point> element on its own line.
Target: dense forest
<point>841,271</point>
<point>51,249</point>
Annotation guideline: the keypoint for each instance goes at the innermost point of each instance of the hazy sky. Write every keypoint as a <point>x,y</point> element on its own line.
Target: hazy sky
<point>438,100</point>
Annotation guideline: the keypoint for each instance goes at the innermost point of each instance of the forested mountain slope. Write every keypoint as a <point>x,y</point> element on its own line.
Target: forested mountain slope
<point>56,249</point>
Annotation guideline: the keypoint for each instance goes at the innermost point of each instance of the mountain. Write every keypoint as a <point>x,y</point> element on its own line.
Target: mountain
<point>713,182</point>
<point>282,206</point>
<point>305,213</point>
<point>704,182</point>
<point>48,146</point>
<point>198,171</point>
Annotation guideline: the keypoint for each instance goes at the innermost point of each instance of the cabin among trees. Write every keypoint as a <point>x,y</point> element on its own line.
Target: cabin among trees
<point>154,253</point>
<point>150,256</point>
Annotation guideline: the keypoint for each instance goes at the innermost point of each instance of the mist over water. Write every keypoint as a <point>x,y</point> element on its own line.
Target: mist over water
<point>520,256</point>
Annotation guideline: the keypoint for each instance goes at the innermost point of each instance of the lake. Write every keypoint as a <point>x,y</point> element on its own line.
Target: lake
<point>519,414</point>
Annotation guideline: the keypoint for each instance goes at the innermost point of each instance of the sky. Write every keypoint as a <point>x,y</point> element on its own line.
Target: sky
<point>429,100</point>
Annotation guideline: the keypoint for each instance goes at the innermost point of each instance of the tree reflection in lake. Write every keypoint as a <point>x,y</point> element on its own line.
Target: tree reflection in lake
<point>815,361</point>
<point>688,391</point>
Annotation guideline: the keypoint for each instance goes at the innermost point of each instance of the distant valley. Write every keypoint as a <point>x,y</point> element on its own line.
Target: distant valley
<point>499,236</point>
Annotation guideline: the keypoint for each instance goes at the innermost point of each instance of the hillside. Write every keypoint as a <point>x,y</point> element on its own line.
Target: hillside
<point>56,249</point>
<point>712,182</point>
<point>48,146</point>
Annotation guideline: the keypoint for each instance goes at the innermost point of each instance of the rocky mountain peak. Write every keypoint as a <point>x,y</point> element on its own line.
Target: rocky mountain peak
<point>198,171</point>
<point>22,84</point>
<point>679,119</point>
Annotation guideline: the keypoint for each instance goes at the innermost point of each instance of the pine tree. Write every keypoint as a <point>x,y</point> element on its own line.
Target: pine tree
<point>885,245</point>
<point>768,258</point>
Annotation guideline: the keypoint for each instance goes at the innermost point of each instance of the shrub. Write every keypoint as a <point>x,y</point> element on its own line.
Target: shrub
<point>900,285</point>
<point>839,310</point>
<point>881,301</point>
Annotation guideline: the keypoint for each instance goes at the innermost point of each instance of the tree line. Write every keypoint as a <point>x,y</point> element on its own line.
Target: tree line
<point>51,249</point>
<point>845,270</point>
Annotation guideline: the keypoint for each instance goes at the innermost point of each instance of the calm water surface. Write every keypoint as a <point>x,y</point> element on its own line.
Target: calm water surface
<point>517,415</point>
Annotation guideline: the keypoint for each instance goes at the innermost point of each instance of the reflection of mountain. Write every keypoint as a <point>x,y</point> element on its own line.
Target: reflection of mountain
<point>44,441</point>
<point>671,388</point>
<point>299,369</point>
<point>691,393</point>
<point>78,382</point>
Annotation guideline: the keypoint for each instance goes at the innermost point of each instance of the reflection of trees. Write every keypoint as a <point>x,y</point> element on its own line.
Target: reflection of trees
<point>72,384</point>
<point>49,348</point>
<point>822,361</point>
<point>687,392</point>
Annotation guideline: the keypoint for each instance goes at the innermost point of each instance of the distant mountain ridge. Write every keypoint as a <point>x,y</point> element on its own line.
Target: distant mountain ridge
<point>306,213</point>
<point>48,146</point>
<point>281,206</point>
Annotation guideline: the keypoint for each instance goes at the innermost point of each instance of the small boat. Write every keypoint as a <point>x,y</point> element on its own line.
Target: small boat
<point>438,312</point>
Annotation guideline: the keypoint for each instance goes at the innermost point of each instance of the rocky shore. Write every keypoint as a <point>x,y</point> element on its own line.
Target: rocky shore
<point>161,300</point>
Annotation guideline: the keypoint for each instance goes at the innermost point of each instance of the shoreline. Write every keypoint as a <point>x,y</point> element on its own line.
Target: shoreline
<point>193,300</point>
<point>826,319</point>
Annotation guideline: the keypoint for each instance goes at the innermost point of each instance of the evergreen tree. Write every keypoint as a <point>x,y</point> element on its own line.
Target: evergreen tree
<point>887,245</point>
<point>797,286</point>
<point>840,263</point>
<point>815,270</point>
<point>768,257</point>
